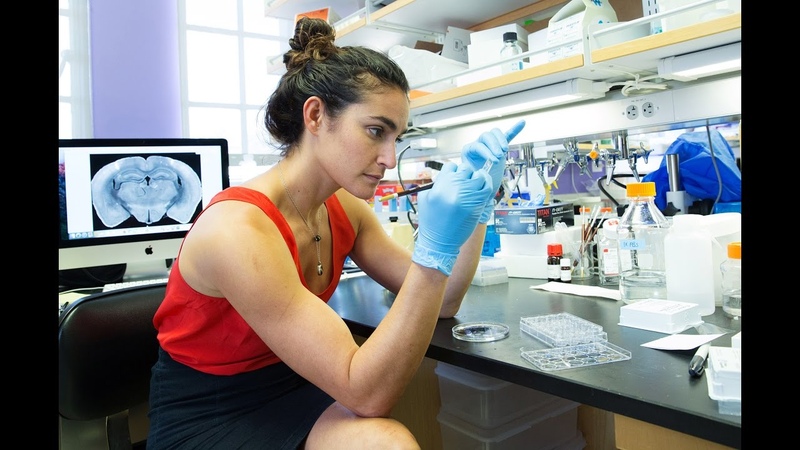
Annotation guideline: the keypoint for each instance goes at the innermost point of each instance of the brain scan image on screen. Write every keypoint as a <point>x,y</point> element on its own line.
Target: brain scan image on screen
<point>146,189</point>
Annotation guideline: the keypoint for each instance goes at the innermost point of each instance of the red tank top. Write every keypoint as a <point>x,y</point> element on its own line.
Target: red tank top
<point>205,332</point>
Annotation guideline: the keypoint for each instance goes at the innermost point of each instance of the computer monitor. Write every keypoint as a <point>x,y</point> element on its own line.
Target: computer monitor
<point>131,201</point>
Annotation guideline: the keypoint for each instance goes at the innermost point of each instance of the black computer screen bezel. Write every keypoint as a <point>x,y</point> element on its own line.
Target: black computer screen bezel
<point>142,142</point>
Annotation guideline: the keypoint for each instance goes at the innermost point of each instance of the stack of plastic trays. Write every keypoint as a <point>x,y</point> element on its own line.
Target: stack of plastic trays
<point>575,342</point>
<point>563,329</point>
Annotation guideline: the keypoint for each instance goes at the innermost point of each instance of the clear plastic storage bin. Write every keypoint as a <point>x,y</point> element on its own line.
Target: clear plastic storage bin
<point>485,401</point>
<point>552,426</point>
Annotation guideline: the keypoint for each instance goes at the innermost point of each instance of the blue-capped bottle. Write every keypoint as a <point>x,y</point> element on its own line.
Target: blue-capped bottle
<point>641,233</point>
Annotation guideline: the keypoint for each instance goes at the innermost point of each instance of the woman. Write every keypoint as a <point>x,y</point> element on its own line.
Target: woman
<point>251,355</point>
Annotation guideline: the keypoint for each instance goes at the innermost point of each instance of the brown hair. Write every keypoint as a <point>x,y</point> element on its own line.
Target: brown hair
<point>340,76</point>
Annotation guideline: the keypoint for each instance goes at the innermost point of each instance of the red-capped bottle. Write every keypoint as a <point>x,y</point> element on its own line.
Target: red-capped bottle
<point>554,254</point>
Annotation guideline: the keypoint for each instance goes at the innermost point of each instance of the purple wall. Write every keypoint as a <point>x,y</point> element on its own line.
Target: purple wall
<point>135,68</point>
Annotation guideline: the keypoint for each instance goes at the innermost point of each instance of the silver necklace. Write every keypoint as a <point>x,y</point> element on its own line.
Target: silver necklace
<point>314,235</point>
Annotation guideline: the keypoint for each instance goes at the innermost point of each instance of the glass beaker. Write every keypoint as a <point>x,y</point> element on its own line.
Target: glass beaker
<point>582,260</point>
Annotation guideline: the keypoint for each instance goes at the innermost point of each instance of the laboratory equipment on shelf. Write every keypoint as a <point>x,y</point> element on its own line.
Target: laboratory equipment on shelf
<point>622,151</point>
<point>584,158</point>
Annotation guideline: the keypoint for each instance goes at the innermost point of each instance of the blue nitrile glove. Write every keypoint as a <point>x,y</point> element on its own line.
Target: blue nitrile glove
<point>491,146</point>
<point>448,214</point>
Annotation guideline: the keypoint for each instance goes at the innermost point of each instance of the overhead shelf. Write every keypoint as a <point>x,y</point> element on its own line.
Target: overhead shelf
<point>403,22</point>
<point>287,9</point>
<point>644,53</point>
<point>603,64</point>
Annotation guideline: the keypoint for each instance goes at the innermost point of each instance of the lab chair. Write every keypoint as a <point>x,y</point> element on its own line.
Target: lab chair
<point>106,347</point>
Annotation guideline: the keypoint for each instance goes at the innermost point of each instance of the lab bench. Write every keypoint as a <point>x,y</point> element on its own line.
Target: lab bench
<point>648,401</point>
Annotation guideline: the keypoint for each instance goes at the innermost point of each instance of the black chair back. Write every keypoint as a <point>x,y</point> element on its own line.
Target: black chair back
<point>106,347</point>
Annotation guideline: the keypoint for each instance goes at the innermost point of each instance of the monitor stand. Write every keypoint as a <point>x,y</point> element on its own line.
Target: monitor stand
<point>149,270</point>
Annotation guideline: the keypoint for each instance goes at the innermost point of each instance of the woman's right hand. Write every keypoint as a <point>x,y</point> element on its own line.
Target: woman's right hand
<point>448,214</point>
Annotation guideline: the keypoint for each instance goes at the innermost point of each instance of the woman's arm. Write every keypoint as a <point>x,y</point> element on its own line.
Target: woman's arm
<point>387,262</point>
<point>463,272</point>
<point>234,251</point>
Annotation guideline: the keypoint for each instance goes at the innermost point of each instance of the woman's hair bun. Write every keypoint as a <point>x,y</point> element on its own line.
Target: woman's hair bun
<point>313,39</point>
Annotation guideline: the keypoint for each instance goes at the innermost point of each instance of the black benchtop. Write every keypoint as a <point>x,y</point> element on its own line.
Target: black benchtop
<point>653,386</point>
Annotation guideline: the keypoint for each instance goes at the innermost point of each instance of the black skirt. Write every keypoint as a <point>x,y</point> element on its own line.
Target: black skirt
<point>268,408</point>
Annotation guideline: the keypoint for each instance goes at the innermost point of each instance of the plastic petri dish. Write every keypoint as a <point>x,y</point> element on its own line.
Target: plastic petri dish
<point>480,331</point>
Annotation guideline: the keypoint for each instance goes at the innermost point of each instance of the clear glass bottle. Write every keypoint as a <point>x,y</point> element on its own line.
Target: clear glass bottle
<point>608,254</point>
<point>511,48</point>
<point>640,233</point>
<point>731,270</point>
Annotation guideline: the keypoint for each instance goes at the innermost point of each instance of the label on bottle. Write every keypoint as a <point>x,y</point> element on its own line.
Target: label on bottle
<point>554,272</point>
<point>610,261</point>
<point>566,270</point>
<point>632,244</point>
<point>507,52</point>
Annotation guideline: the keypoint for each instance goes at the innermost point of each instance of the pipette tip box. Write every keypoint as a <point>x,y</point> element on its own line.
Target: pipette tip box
<point>724,378</point>
<point>490,271</point>
<point>663,316</point>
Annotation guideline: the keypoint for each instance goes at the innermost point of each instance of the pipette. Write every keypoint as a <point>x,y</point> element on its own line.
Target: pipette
<point>487,166</point>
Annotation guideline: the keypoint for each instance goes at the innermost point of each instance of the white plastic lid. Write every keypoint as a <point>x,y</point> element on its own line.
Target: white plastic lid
<point>610,228</point>
<point>565,261</point>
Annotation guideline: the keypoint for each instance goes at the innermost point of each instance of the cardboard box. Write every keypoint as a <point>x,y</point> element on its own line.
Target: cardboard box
<point>327,14</point>
<point>456,41</point>
<point>533,220</point>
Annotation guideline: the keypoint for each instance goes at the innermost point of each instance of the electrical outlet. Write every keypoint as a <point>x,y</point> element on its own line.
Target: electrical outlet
<point>648,109</point>
<point>632,112</point>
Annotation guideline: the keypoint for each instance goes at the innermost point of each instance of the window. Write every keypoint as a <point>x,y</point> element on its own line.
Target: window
<point>225,47</point>
<point>74,105</point>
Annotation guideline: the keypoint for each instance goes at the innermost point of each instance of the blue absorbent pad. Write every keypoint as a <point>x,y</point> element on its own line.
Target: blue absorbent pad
<point>697,173</point>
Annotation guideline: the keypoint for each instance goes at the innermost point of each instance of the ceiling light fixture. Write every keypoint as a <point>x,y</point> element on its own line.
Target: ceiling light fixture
<point>555,94</point>
<point>691,66</point>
